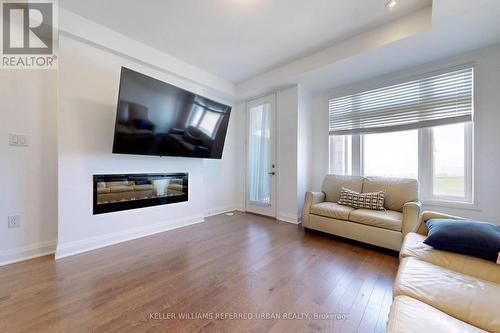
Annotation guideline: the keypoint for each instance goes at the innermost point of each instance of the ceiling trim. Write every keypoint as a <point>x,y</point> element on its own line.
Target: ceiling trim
<point>364,42</point>
<point>82,29</point>
<point>428,34</point>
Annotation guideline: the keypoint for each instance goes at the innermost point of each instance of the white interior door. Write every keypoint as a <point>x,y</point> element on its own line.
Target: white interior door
<point>261,156</point>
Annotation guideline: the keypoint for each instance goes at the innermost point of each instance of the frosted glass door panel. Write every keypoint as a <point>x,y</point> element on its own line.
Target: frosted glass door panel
<point>259,154</point>
<point>261,167</point>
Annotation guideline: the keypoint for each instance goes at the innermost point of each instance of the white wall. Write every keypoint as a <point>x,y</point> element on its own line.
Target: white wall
<point>88,91</point>
<point>294,127</point>
<point>304,146</point>
<point>224,179</point>
<point>320,151</point>
<point>286,150</point>
<point>28,174</point>
<point>486,128</point>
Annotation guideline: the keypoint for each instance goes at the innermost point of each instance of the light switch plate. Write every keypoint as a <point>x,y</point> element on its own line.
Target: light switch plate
<point>13,139</point>
<point>18,140</point>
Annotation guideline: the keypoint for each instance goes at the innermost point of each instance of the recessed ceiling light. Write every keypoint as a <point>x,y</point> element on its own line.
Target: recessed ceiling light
<point>391,3</point>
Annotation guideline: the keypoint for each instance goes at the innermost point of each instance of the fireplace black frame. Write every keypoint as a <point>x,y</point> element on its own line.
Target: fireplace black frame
<point>141,203</point>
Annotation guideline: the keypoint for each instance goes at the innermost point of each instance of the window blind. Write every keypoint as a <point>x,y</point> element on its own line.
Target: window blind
<point>435,100</point>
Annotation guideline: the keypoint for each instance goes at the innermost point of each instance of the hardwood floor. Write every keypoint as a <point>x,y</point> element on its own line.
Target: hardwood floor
<point>229,266</point>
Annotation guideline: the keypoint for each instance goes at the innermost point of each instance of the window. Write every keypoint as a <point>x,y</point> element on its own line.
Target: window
<point>204,119</point>
<point>341,154</point>
<point>387,132</point>
<point>393,154</point>
<point>448,169</point>
<point>450,163</point>
<point>195,115</point>
<point>209,122</point>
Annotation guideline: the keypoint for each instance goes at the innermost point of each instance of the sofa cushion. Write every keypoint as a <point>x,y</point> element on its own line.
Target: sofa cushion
<point>407,313</point>
<point>331,209</point>
<point>398,191</point>
<point>383,219</point>
<point>121,188</point>
<point>144,187</point>
<point>103,190</point>
<point>462,296</point>
<point>413,246</point>
<point>117,183</point>
<point>479,239</point>
<point>372,200</point>
<point>176,187</point>
<point>334,183</point>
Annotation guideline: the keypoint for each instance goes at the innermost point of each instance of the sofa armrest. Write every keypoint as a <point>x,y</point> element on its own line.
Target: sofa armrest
<point>428,215</point>
<point>311,198</point>
<point>411,213</point>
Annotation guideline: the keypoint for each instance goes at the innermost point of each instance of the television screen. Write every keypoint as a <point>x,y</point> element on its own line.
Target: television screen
<point>157,118</point>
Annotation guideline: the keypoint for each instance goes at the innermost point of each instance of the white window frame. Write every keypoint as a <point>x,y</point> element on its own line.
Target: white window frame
<point>426,170</point>
<point>425,167</point>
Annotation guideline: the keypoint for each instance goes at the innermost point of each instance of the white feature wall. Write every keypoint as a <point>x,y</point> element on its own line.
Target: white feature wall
<point>88,91</point>
<point>486,62</point>
<point>28,174</point>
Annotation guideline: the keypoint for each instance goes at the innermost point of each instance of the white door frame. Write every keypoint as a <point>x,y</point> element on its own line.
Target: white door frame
<point>252,207</point>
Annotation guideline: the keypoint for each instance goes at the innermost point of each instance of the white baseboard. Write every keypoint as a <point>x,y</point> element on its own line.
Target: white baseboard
<point>31,251</point>
<point>93,243</point>
<point>288,218</point>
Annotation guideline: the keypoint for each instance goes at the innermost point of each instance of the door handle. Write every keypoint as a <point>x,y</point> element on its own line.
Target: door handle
<point>271,173</point>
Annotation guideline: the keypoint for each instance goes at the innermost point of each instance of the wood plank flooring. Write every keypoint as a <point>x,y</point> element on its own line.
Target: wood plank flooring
<point>228,270</point>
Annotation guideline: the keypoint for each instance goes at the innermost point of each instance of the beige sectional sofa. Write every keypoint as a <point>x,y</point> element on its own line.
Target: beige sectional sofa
<point>382,228</point>
<point>439,291</point>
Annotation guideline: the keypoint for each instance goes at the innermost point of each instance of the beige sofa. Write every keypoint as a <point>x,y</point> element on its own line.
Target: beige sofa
<point>382,228</point>
<point>439,291</point>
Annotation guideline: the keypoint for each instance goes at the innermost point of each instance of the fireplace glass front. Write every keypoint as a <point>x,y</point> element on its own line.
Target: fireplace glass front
<point>131,191</point>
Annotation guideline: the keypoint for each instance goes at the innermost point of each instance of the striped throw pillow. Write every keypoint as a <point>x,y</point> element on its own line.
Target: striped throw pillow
<point>372,200</point>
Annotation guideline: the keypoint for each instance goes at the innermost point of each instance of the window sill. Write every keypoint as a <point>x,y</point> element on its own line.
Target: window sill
<point>450,204</point>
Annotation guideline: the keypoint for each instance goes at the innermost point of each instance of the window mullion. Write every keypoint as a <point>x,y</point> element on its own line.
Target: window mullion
<point>425,163</point>
<point>468,161</point>
<point>357,155</point>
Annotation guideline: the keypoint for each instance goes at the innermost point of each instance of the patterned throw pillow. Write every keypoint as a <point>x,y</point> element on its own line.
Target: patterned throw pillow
<point>372,200</point>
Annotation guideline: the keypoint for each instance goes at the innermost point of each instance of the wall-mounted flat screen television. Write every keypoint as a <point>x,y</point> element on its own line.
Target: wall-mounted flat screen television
<point>157,118</point>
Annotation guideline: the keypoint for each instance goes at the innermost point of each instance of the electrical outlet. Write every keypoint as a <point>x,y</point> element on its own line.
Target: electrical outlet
<point>14,221</point>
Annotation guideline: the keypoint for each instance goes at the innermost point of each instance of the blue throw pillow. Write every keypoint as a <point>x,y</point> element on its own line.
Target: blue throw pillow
<point>478,239</point>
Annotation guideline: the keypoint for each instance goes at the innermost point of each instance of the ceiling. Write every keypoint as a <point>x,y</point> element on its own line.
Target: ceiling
<point>239,39</point>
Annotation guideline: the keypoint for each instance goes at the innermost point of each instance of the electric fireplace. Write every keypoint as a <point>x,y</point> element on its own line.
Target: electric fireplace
<point>130,191</point>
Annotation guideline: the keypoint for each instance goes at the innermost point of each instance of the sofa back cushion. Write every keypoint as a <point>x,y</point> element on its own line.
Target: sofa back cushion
<point>334,183</point>
<point>398,191</point>
<point>117,183</point>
